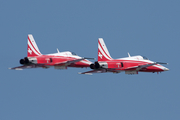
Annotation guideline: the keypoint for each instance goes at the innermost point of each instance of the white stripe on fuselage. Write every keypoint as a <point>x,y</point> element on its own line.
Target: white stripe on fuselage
<point>71,56</point>
<point>138,60</point>
<point>86,62</point>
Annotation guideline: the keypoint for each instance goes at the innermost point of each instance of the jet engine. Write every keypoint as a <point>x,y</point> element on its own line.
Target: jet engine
<point>26,60</point>
<point>98,65</point>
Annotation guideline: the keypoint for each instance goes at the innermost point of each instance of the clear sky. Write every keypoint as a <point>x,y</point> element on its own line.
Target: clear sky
<point>140,27</point>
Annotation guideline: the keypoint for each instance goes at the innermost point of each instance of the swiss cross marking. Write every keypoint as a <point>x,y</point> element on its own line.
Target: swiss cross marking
<point>100,55</point>
<point>29,51</point>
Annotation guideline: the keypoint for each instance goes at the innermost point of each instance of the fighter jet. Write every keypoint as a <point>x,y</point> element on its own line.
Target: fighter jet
<point>59,60</point>
<point>130,65</point>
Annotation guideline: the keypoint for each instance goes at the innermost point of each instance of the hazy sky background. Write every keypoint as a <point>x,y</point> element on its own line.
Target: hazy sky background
<point>149,28</point>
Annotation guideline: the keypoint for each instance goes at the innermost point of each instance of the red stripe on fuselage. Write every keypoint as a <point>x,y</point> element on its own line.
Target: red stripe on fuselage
<point>45,59</point>
<point>131,63</point>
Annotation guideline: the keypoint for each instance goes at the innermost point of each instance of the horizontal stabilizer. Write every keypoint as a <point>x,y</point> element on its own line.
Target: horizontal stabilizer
<point>28,66</point>
<point>16,68</point>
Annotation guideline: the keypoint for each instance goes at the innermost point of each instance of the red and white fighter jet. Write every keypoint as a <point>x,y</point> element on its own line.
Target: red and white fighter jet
<point>131,64</point>
<point>60,60</point>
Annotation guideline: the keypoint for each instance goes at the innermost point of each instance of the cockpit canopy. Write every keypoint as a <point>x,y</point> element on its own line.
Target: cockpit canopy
<point>145,58</point>
<point>138,57</point>
<point>67,53</point>
<point>73,53</point>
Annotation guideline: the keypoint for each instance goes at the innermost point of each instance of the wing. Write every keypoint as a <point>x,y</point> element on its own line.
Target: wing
<point>143,66</point>
<point>95,71</point>
<point>103,70</point>
<point>66,63</point>
<point>28,66</point>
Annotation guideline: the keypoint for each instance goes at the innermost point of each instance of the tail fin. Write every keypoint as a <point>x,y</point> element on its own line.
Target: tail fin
<point>32,49</point>
<point>103,54</point>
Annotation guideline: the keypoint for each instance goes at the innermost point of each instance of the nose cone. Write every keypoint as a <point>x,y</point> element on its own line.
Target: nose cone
<point>165,69</point>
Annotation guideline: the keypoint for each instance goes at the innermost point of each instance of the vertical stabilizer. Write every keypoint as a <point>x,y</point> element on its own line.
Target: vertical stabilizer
<point>32,49</point>
<point>103,53</point>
